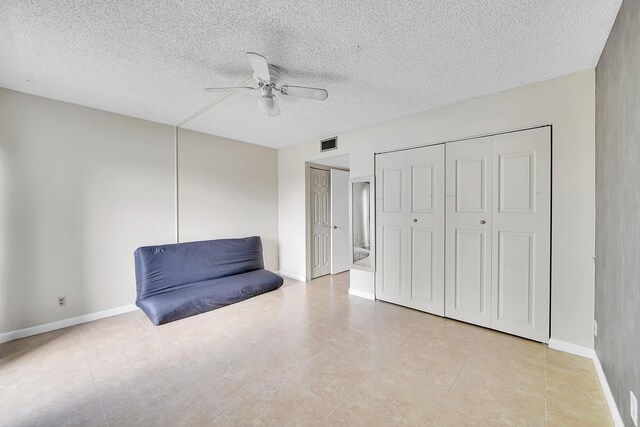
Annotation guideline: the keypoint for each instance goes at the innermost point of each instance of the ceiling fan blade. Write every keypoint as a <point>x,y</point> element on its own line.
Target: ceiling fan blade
<point>305,92</point>
<point>260,66</point>
<point>226,89</point>
<point>275,111</point>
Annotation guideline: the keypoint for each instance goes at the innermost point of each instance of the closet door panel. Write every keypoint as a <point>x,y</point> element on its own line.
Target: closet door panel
<point>392,190</point>
<point>425,222</point>
<point>469,283</point>
<point>521,233</point>
<point>514,276</point>
<point>391,230</point>
<point>422,280</point>
<point>468,231</point>
<point>392,264</point>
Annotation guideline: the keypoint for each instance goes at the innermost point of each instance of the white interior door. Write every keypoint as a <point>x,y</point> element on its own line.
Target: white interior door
<point>468,231</point>
<point>521,237</point>
<point>391,227</point>
<point>426,210</point>
<point>339,221</point>
<point>410,210</point>
<point>320,223</point>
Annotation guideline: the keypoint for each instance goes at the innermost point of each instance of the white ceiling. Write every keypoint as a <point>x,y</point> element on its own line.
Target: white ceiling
<point>379,60</point>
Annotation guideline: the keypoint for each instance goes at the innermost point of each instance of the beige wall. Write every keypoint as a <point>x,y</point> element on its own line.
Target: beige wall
<point>81,189</point>
<point>567,103</point>
<point>228,188</point>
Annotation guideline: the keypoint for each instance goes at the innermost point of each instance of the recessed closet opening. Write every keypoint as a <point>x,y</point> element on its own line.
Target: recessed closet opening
<point>463,230</point>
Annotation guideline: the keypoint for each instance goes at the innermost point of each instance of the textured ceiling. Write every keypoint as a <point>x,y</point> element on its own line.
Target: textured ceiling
<point>379,60</point>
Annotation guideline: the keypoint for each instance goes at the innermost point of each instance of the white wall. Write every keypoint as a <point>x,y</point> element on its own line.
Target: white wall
<point>81,189</point>
<point>228,188</point>
<point>568,103</point>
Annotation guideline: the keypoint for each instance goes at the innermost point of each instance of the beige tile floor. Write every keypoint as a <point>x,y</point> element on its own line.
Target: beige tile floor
<point>306,354</point>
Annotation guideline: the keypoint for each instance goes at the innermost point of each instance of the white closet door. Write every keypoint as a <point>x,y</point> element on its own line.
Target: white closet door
<point>521,237</point>
<point>320,222</point>
<point>391,227</point>
<point>468,231</point>
<point>425,173</point>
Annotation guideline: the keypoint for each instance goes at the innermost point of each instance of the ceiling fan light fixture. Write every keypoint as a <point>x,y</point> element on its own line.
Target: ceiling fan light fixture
<point>266,102</point>
<point>273,112</point>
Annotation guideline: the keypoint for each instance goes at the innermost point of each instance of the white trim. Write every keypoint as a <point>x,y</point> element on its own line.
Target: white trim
<point>292,276</point>
<point>613,408</point>
<point>65,323</point>
<point>568,347</point>
<point>367,295</point>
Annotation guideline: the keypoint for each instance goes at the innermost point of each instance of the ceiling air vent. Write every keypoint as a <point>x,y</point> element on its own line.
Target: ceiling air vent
<point>329,144</point>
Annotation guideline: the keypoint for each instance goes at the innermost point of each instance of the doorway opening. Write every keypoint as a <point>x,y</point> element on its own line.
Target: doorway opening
<point>327,216</point>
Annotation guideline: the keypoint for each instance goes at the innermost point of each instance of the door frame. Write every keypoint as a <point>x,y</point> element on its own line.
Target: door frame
<point>307,210</point>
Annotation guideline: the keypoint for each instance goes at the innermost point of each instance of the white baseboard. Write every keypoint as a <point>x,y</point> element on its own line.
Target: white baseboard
<point>292,276</point>
<point>613,408</point>
<point>65,323</point>
<point>367,295</point>
<point>568,347</point>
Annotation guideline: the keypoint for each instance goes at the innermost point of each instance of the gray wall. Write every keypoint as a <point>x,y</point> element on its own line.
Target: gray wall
<point>617,299</point>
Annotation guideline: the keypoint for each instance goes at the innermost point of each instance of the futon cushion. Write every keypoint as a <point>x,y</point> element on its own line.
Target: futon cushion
<point>172,267</point>
<point>208,295</point>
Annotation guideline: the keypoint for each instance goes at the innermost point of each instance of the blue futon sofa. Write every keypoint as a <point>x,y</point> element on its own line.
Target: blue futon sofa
<point>181,280</point>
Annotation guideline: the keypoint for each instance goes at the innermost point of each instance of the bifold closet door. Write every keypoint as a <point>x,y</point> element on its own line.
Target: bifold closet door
<point>391,226</point>
<point>498,232</point>
<point>425,170</point>
<point>521,233</point>
<point>410,228</point>
<point>468,231</point>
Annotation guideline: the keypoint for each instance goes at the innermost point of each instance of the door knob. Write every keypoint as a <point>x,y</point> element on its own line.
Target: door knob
<point>415,220</point>
<point>482,221</point>
<point>335,227</point>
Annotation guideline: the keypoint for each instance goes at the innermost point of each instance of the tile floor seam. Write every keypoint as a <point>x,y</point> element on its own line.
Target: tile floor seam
<point>409,337</point>
<point>206,395</point>
<point>449,391</point>
<point>338,411</point>
<point>322,421</point>
<point>195,383</point>
<point>223,415</point>
<point>155,391</point>
<point>546,421</point>
<point>333,407</point>
<point>93,380</point>
<point>341,401</point>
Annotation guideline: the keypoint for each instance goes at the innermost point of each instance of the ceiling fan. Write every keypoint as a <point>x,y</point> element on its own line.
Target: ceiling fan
<point>266,77</point>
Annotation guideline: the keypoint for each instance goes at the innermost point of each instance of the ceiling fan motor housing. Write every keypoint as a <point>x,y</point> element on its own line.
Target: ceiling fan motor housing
<point>274,74</point>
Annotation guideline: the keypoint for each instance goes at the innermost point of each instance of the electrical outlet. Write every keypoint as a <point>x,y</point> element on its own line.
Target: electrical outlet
<point>595,328</point>
<point>62,301</point>
<point>633,408</point>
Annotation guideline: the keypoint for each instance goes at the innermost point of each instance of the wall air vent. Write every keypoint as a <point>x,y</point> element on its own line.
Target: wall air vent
<point>329,144</point>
